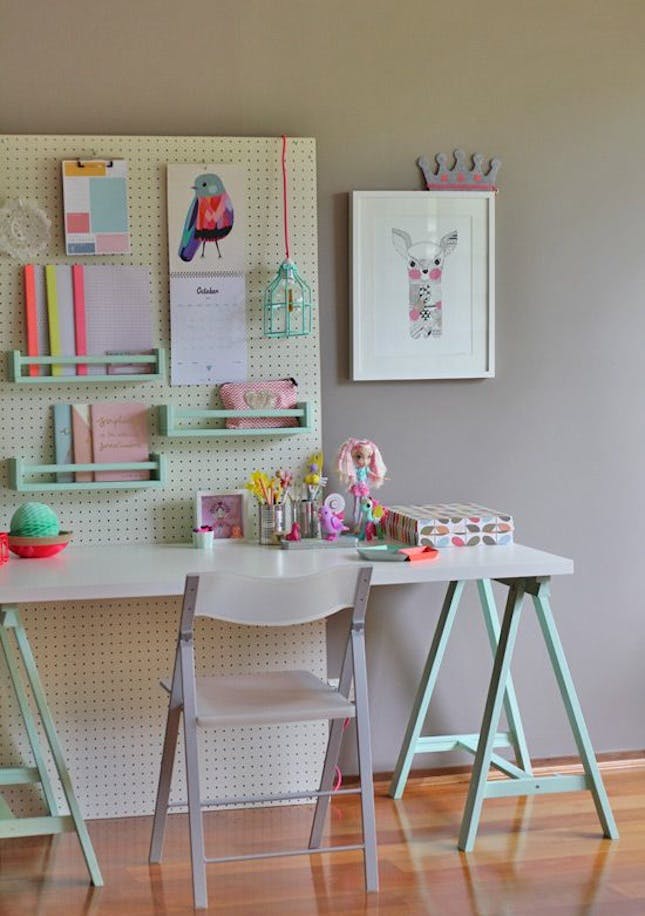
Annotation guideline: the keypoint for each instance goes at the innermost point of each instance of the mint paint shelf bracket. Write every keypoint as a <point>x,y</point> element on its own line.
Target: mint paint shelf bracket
<point>21,474</point>
<point>171,418</point>
<point>155,361</point>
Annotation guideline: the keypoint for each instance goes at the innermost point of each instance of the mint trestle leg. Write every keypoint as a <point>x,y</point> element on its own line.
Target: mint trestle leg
<point>15,776</point>
<point>573,709</point>
<point>10,620</point>
<point>414,743</point>
<point>492,713</point>
<point>511,707</point>
<point>410,745</point>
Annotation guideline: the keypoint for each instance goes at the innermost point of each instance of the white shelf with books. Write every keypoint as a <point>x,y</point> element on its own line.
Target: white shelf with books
<point>116,367</point>
<point>33,478</point>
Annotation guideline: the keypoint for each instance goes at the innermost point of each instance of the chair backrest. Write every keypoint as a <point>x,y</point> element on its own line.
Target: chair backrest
<point>280,601</point>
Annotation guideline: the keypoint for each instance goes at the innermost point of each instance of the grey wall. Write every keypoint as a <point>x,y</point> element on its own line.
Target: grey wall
<point>556,89</point>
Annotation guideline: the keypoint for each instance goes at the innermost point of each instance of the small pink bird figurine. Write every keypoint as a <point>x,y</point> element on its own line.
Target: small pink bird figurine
<point>331,523</point>
<point>294,534</point>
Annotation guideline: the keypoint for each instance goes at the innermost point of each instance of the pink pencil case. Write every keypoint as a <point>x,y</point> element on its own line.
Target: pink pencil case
<point>275,394</point>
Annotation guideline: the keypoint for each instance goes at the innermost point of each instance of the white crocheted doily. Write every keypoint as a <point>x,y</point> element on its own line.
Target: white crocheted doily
<point>24,229</point>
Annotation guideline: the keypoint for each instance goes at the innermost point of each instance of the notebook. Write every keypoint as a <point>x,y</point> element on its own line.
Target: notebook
<point>60,311</point>
<point>37,324</point>
<point>82,440</point>
<point>80,322</point>
<point>78,311</point>
<point>63,448</point>
<point>117,311</point>
<point>120,434</point>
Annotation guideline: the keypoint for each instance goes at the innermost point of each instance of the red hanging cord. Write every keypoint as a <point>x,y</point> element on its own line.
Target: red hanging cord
<point>284,195</point>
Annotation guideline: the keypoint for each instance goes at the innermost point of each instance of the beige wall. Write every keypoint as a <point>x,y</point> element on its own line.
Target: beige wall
<point>556,89</point>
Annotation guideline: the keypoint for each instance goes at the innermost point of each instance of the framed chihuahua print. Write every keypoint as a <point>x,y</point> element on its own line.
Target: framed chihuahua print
<point>423,284</point>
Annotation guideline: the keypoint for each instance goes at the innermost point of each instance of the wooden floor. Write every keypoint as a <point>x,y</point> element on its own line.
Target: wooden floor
<point>533,856</point>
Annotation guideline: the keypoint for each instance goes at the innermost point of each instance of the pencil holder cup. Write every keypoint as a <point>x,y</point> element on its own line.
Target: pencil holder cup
<point>271,523</point>
<point>307,516</point>
<point>203,539</point>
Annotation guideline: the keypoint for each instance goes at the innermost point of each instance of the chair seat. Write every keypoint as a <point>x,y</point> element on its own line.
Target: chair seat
<point>266,698</point>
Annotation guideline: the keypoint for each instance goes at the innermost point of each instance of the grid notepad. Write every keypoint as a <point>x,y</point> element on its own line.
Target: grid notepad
<point>118,312</point>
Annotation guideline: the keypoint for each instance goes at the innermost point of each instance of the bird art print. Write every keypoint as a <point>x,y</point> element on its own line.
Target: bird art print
<point>210,217</point>
<point>207,217</point>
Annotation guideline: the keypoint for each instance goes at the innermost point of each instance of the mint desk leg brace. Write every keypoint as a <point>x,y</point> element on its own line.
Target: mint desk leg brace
<point>26,773</point>
<point>492,713</point>
<point>511,707</point>
<point>413,743</point>
<point>574,710</point>
<point>412,740</point>
<point>11,826</point>
<point>522,783</point>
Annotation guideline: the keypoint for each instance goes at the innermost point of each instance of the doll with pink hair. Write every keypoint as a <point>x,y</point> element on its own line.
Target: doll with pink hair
<point>360,467</point>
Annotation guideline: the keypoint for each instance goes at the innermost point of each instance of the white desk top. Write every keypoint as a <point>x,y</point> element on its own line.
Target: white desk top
<point>132,570</point>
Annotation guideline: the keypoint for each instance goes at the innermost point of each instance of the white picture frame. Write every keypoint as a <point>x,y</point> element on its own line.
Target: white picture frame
<point>225,513</point>
<point>422,284</point>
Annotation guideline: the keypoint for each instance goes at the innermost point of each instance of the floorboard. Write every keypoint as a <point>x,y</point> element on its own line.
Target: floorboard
<point>543,855</point>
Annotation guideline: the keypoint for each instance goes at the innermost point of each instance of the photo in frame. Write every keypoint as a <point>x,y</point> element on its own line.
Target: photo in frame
<point>423,284</point>
<point>225,513</point>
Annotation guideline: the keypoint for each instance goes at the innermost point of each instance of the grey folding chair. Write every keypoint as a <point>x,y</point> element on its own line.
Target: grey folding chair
<point>269,697</point>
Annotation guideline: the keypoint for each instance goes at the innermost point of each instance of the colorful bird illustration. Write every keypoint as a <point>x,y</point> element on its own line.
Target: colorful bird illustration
<point>209,218</point>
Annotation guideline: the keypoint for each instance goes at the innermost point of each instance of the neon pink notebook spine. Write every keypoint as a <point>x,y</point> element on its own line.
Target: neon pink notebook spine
<point>31,316</point>
<point>80,325</point>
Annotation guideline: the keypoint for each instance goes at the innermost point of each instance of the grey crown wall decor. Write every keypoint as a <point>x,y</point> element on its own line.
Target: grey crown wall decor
<point>461,175</point>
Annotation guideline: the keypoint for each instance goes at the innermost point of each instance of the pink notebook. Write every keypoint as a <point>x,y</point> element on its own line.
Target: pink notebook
<point>36,316</point>
<point>120,434</point>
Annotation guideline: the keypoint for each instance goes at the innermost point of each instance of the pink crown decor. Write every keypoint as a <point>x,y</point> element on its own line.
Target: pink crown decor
<point>460,177</point>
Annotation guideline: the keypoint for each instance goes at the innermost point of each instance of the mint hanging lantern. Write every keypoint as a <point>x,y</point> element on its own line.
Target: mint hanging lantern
<point>287,299</point>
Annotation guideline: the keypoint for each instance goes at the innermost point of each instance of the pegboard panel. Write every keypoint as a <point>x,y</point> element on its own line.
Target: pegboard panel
<point>110,711</point>
<point>30,167</point>
<point>100,663</point>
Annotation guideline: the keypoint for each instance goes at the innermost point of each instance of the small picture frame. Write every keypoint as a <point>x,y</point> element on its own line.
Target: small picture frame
<point>225,513</point>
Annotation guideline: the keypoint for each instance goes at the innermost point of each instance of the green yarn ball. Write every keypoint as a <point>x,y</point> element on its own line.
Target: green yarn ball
<point>34,520</point>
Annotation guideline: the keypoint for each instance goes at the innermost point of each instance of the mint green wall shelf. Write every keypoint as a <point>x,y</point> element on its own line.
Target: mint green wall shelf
<point>18,366</point>
<point>171,418</point>
<point>20,475</point>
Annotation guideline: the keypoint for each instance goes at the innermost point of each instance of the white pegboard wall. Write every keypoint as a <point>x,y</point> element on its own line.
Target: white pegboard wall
<point>30,167</point>
<point>100,663</point>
